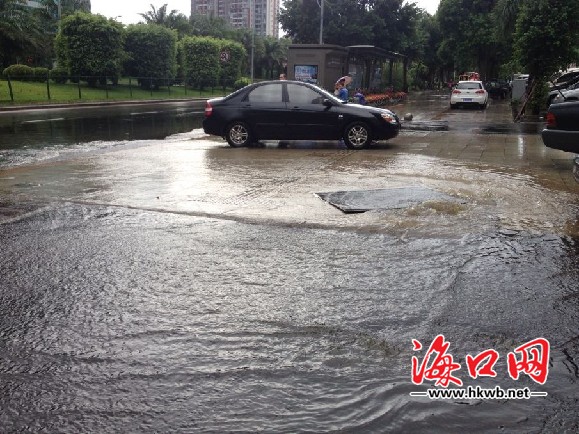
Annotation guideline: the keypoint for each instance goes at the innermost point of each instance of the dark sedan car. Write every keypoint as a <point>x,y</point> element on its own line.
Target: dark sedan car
<point>562,130</point>
<point>292,110</point>
<point>498,88</point>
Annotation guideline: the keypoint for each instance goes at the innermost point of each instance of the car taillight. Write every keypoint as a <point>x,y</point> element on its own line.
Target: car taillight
<point>456,91</point>
<point>551,121</point>
<point>480,91</point>
<point>208,110</point>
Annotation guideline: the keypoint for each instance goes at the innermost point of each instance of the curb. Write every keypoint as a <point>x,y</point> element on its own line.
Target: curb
<point>96,104</point>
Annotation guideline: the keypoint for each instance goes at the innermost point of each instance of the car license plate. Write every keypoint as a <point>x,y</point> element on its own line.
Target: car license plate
<point>467,100</point>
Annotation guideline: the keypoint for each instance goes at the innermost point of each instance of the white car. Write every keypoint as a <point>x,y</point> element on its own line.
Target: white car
<point>566,95</point>
<point>469,93</point>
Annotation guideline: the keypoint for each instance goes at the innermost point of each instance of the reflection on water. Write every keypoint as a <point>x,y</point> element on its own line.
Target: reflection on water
<point>36,135</point>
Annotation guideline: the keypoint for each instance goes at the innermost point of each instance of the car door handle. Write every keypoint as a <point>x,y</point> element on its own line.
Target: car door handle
<point>296,108</point>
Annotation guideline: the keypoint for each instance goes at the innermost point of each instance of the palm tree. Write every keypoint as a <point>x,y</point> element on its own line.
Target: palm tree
<point>271,54</point>
<point>159,16</point>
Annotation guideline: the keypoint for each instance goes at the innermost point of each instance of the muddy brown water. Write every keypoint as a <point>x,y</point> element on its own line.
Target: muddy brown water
<point>179,285</point>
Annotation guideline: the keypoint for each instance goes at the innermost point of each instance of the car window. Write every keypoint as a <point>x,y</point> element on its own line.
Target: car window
<point>471,85</point>
<point>266,93</point>
<point>303,95</point>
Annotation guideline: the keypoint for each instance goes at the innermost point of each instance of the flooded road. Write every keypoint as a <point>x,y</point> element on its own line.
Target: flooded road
<point>180,285</point>
<point>33,135</point>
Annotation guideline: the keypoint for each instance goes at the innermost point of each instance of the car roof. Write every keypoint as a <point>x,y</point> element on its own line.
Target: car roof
<point>470,81</point>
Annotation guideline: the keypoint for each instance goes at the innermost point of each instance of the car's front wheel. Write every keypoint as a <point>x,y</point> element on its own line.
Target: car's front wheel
<point>357,136</point>
<point>238,134</point>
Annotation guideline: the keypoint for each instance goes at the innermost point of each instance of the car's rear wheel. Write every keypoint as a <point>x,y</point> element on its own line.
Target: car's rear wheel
<point>238,134</point>
<point>357,136</point>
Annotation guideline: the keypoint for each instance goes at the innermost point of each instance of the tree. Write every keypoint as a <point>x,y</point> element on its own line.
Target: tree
<point>546,40</point>
<point>91,46</point>
<point>300,19</point>
<point>395,26</point>
<point>180,23</point>
<point>157,16</point>
<point>203,25</point>
<point>547,35</point>
<point>65,7</point>
<point>469,36</point>
<point>151,52</point>
<point>348,22</point>
<point>274,56</point>
<point>386,24</point>
<point>247,39</point>
<point>427,66</point>
<point>173,20</point>
<point>17,35</point>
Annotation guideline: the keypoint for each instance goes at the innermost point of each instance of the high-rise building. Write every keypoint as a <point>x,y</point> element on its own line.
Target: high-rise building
<point>259,14</point>
<point>66,5</point>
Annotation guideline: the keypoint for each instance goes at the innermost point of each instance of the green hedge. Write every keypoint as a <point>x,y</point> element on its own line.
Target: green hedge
<point>59,75</point>
<point>40,74</point>
<point>241,82</point>
<point>19,72</point>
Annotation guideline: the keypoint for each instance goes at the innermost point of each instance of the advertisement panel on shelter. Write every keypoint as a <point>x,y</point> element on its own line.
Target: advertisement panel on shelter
<point>307,73</point>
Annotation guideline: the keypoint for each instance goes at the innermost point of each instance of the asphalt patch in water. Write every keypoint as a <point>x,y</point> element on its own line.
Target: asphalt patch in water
<point>359,201</point>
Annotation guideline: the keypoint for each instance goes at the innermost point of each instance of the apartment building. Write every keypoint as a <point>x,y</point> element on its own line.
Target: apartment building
<point>259,14</point>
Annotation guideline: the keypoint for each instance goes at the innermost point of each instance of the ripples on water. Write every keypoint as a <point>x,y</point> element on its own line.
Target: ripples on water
<point>115,320</point>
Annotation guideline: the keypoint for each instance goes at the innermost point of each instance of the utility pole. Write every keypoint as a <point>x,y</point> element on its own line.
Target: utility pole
<point>252,26</point>
<point>321,22</point>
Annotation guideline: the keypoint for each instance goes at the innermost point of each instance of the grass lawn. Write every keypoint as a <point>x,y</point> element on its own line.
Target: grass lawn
<point>126,90</point>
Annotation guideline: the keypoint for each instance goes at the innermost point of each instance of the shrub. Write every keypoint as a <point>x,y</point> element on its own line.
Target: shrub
<point>40,74</point>
<point>230,66</point>
<point>241,82</point>
<point>201,60</point>
<point>151,52</point>
<point>19,72</point>
<point>59,75</point>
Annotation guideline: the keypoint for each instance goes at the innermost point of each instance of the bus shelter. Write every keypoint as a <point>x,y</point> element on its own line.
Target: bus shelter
<point>370,67</point>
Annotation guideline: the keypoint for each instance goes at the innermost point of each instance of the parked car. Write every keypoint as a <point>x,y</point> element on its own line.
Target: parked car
<point>294,110</point>
<point>562,130</point>
<point>566,95</point>
<point>469,93</point>
<point>564,80</point>
<point>498,88</point>
<point>569,82</point>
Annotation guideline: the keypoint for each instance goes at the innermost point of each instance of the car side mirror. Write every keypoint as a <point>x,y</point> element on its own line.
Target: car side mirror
<point>327,102</point>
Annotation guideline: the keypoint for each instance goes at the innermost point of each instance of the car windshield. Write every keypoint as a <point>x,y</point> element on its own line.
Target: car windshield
<point>468,85</point>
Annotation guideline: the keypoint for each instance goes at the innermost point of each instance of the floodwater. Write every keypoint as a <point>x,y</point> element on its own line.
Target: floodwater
<point>35,135</point>
<point>179,285</point>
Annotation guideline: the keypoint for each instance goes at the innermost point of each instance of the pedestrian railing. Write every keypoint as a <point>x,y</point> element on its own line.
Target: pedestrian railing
<point>34,89</point>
